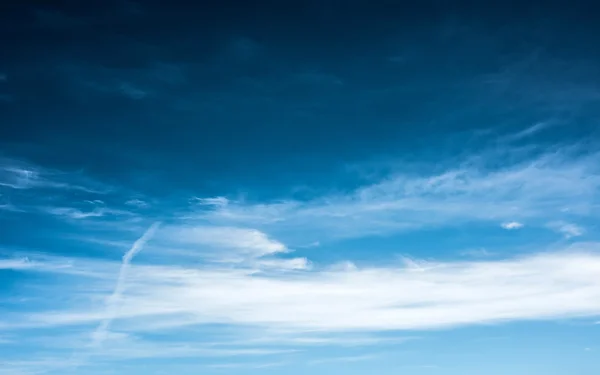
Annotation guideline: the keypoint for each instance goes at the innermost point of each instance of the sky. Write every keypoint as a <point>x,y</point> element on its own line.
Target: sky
<point>268,187</point>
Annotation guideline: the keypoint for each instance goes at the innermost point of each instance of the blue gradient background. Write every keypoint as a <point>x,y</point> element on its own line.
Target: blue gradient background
<point>264,102</point>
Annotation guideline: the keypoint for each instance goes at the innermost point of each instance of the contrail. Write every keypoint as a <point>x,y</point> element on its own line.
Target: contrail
<point>112,302</point>
<point>100,333</point>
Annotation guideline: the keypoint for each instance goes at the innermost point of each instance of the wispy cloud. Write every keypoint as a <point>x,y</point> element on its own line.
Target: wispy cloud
<point>137,203</point>
<point>20,175</point>
<point>74,213</point>
<point>512,225</point>
<point>246,279</point>
<point>215,201</point>
<point>15,264</point>
<point>549,186</point>
<point>569,230</point>
<point>530,131</point>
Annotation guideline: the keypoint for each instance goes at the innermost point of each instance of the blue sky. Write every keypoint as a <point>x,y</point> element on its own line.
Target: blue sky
<point>324,187</point>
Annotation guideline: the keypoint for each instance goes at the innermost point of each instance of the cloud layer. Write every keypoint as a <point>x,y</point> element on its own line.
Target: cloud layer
<point>231,264</point>
<point>419,295</point>
<point>548,187</point>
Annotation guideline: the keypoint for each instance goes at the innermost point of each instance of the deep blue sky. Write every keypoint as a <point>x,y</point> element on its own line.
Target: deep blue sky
<point>346,187</point>
<point>270,90</point>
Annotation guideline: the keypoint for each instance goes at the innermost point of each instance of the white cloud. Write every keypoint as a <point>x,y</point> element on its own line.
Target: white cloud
<point>282,264</point>
<point>215,201</point>
<point>511,225</point>
<point>242,281</point>
<point>77,214</point>
<point>239,241</point>
<point>567,229</point>
<point>443,294</point>
<point>15,264</point>
<point>545,187</point>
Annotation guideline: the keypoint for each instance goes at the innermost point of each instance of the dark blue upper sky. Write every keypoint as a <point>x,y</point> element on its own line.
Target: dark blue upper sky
<point>252,92</point>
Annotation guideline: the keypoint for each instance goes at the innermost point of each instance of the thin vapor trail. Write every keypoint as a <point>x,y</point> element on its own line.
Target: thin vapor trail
<point>99,335</point>
<point>112,302</point>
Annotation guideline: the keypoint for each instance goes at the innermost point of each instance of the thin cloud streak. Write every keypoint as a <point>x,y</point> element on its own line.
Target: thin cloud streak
<point>19,175</point>
<point>111,308</point>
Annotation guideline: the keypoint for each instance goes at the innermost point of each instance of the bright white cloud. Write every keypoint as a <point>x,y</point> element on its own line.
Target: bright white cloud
<point>443,294</point>
<point>235,241</point>
<point>511,225</point>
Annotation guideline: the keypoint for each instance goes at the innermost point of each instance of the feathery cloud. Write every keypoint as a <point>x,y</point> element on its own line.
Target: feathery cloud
<point>20,175</point>
<point>549,186</point>
<point>74,213</point>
